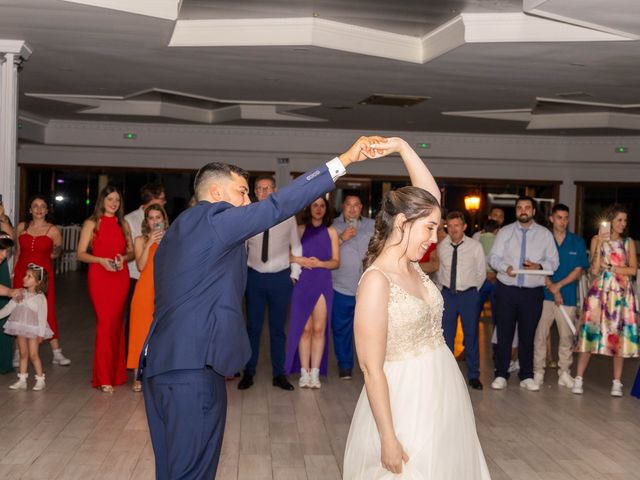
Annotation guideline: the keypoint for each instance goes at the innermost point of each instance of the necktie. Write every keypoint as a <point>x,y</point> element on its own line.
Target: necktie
<point>265,247</point>
<point>523,257</point>
<point>454,267</point>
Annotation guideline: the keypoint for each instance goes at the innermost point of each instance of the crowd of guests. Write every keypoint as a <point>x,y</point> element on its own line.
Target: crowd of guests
<point>308,273</point>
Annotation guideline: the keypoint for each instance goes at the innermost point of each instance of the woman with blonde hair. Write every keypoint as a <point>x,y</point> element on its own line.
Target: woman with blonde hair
<point>154,225</point>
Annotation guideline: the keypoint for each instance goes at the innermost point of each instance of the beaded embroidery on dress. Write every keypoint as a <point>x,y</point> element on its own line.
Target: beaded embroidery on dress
<point>432,413</point>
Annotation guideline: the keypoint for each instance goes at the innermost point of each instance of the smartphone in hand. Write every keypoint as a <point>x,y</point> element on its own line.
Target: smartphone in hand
<point>604,232</point>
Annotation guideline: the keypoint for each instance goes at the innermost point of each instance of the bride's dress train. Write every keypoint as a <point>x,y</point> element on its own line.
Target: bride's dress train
<point>430,404</point>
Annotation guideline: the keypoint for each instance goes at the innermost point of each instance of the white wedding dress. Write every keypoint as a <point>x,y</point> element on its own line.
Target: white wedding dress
<point>430,404</point>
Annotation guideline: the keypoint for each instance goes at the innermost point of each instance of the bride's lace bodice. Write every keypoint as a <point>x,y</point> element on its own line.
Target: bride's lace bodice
<point>414,326</point>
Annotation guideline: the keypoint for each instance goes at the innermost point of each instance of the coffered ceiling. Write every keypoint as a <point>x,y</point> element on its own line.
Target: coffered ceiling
<point>559,67</point>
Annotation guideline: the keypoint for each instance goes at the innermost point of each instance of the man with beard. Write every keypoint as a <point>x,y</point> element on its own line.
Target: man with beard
<point>523,246</point>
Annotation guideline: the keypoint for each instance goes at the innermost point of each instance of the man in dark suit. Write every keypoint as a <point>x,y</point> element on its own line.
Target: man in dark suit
<point>198,335</point>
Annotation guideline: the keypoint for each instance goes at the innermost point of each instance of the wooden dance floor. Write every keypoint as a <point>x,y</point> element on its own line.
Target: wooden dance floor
<point>71,431</point>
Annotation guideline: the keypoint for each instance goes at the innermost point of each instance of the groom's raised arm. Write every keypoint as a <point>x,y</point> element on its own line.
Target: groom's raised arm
<point>235,225</point>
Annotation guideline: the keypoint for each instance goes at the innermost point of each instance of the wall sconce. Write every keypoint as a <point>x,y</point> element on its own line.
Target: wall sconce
<point>472,203</point>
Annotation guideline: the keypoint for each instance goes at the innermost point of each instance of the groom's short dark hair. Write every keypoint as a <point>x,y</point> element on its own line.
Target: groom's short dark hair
<point>213,171</point>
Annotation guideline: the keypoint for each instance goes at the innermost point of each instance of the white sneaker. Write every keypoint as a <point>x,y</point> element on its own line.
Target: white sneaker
<point>565,380</point>
<point>500,383</point>
<point>577,386</point>
<point>616,388</point>
<point>16,358</point>
<point>538,378</point>
<point>305,379</point>
<point>39,383</point>
<point>530,385</point>
<point>60,359</point>
<point>315,378</point>
<point>514,366</point>
<point>21,384</point>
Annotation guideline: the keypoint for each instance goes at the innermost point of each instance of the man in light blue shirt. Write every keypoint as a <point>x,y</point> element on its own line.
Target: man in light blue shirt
<point>520,250</point>
<point>354,232</point>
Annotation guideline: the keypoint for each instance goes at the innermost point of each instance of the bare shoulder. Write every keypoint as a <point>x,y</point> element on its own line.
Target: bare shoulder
<point>88,224</point>
<point>301,230</point>
<point>373,284</point>
<point>333,233</point>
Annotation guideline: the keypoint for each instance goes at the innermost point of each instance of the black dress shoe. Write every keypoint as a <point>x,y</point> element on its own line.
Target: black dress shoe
<point>282,382</point>
<point>246,382</point>
<point>345,374</point>
<point>475,384</point>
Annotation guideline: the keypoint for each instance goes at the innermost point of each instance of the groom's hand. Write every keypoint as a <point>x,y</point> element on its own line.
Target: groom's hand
<point>361,150</point>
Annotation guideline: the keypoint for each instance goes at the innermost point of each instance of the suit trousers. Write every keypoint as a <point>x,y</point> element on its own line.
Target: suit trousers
<point>271,290</point>
<point>344,307</point>
<point>186,412</point>
<point>522,307</point>
<point>487,291</point>
<point>550,313</point>
<point>464,304</point>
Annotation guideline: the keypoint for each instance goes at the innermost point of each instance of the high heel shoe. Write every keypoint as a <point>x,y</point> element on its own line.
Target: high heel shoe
<point>136,387</point>
<point>106,388</point>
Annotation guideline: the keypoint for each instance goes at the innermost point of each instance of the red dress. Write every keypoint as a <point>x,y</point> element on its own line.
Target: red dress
<point>38,250</point>
<point>108,292</point>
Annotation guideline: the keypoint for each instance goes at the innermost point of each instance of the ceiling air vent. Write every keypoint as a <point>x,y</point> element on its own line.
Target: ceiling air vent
<point>393,100</point>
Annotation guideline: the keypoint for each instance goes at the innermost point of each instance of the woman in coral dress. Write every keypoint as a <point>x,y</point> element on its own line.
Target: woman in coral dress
<point>107,235</point>
<point>610,325</point>
<point>155,224</point>
<point>40,242</point>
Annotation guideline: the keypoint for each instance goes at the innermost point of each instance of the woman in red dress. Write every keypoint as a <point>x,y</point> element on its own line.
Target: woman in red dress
<point>40,242</point>
<point>108,236</point>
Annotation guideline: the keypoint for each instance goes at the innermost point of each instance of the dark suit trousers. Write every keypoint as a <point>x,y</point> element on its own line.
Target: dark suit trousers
<point>186,412</point>
<point>521,306</point>
<point>272,290</point>
<point>464,304</point>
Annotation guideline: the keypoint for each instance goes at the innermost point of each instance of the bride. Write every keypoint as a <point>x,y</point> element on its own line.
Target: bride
<point>414,416</point>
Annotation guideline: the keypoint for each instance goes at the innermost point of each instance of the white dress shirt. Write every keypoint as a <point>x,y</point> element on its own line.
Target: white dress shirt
<point>135,219</point>
<point>541,248</point>
<point>283,239</point>
<point>471,269</point>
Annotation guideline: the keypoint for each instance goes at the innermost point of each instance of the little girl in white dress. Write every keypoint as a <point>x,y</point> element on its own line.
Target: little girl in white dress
<point>28,322</point>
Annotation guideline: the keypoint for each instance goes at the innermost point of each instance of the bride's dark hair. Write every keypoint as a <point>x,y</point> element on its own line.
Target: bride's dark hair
<point>413,202</point>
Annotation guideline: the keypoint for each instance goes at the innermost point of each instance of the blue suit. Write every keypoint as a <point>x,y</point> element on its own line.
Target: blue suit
<point>198,334</point>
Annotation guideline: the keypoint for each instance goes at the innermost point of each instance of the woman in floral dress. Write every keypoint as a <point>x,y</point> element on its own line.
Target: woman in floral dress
<point>610,324</point>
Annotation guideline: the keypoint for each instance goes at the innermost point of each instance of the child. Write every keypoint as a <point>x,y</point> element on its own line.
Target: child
<point>28,321</point>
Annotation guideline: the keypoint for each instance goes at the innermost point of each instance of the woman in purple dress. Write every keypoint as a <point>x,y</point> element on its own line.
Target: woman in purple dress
<point>312,296</point>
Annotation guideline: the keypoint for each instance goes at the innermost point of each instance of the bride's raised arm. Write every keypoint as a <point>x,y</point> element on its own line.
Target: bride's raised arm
<point>418,171</point>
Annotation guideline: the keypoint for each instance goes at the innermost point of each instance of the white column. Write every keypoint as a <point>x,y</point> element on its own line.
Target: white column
<point>12,54</point>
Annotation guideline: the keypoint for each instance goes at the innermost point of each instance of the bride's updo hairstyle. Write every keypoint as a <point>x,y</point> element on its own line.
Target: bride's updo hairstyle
<point>413,202</point>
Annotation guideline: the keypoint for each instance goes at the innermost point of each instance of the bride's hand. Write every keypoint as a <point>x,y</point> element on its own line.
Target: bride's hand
<point>393,456</point>
<point>388,146</point>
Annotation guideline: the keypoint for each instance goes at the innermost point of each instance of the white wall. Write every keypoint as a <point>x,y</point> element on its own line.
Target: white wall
<point>567,159</point>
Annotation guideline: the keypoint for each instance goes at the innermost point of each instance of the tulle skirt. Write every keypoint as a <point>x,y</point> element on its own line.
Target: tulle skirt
<point>433,420</point>
<point>24,322</point>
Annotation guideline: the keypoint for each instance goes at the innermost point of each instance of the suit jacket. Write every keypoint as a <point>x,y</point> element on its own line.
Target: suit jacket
<point>200,272</point>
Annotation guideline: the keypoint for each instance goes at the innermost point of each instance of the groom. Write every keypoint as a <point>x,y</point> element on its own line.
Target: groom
<point>198,335</point>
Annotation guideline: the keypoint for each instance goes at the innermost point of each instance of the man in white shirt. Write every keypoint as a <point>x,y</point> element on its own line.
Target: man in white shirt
<point>269,283</point>
<point>520,250</point>
<point>150,194</point>
<point>461,273</point>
